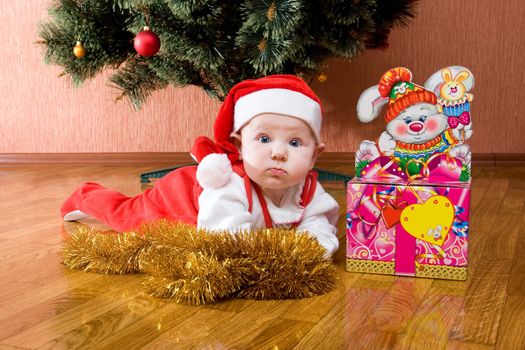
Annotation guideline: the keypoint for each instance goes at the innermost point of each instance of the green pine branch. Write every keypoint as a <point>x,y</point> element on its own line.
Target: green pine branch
<point>211,43</point>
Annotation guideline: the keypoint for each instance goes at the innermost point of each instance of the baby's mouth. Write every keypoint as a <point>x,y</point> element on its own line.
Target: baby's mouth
<point>276,171</point>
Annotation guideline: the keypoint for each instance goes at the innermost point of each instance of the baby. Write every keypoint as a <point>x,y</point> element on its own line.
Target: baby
<point>255,174</point>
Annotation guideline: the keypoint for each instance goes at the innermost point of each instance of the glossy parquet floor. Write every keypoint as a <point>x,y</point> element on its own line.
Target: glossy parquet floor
<point>45,306</point>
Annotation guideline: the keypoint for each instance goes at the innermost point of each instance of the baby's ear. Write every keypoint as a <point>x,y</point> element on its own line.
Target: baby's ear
<point>319,148</point>
<point>235,139</point>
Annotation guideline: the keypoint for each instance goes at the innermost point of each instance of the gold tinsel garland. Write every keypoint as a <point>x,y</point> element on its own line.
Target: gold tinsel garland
<point>194,267</point>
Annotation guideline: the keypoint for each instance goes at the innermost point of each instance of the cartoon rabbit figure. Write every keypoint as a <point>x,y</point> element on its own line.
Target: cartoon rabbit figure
<point>452,84</point>
<point>416,129</point>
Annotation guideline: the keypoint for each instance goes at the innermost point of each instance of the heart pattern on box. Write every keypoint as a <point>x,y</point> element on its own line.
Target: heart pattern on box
<point>431,221</point>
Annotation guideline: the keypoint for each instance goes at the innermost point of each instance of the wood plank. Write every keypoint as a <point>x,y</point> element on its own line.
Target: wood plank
<point>516,285</point>
<point>319,307</point>
<point>283,333</point>
<point>392,315</point>
<point>89,334</point>
<point>193,332</point>
<point>31,297</point>
<point>433,322</point>
<point>484,218</point>
<point>464,345</point>
<point>479,186</point>
<point>9,347</point>
<point>511,334</point>
<point>11,288</point>
<point>482,308</point>
<point>142,332</point>
<point>399,306</point>
<point>336,330</point>
<point>64,322</point>
<point>500,241</point>
<point>240,330</point>
<point>52,305</point>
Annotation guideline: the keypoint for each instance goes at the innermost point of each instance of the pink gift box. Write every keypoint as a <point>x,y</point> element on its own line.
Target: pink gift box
<point>408,228</point>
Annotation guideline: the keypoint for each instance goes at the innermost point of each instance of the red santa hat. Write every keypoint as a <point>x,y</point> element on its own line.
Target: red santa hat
<point>280,94</point>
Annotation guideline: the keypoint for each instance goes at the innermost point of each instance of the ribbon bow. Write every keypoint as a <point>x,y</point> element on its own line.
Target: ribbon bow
<point>441,167</point>
<point>464,119</point>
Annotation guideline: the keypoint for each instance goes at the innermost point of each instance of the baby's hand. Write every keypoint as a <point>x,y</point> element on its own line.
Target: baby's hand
<point>367,151</point>
<point>387,144</point>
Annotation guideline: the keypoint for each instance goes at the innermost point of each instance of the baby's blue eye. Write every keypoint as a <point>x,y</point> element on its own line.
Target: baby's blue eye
<point>422,118</point>
<point>408,120</point>
<point>295,143</point>
<point>264,139</point>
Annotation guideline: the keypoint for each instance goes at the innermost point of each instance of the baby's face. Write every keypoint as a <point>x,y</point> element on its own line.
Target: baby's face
<point>417,124</point>
<point>277,150</point>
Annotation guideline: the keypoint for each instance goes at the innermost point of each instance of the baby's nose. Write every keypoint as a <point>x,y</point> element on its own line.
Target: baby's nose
<point>416,126</point>
<point>278,154</point>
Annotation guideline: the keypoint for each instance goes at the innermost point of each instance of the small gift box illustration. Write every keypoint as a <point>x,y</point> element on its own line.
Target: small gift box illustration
<point>408,207</point>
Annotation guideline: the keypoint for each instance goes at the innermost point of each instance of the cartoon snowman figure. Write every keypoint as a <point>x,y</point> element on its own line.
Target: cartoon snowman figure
<point>416,127</point>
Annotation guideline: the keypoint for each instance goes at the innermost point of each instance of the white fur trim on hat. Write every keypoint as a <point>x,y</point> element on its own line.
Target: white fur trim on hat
<point>214,171</point>
<point>278,101</point>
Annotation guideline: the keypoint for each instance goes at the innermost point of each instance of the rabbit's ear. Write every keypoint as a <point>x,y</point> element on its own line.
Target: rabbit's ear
<point>446,74</point>
<point>434,82</point>
<point>463,75</point>
<point>468,81</point>
<point>369,104</point>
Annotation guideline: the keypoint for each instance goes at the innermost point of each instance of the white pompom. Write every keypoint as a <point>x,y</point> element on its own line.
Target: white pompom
<point>214,171</point>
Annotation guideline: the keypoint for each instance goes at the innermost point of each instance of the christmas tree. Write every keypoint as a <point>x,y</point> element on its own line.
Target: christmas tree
<point>211,43</point>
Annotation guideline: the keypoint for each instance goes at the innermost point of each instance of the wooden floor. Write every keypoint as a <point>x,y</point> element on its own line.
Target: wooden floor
<point>43,305</point>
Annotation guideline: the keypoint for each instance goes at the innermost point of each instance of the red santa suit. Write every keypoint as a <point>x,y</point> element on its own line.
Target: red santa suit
<point>217,195</point>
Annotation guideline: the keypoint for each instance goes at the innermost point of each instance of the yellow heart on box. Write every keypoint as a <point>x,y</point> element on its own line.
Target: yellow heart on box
<point>430,221</point>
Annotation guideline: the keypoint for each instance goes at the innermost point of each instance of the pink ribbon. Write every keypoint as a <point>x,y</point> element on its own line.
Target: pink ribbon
<point>443,168</point>
<point>365,219</point>
<point>438,168</point>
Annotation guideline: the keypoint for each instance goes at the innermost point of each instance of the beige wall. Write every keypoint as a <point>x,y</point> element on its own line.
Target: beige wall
<point>43,113</point>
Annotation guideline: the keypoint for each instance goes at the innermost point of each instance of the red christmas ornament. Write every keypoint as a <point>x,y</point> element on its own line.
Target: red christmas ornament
<point>146,43</point>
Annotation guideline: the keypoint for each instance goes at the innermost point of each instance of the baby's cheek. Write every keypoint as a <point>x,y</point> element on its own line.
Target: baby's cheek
<point>400,130</point>
<point>431,125</point>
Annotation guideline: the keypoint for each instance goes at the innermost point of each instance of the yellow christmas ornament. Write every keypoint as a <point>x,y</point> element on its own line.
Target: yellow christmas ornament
<point>79,50</point>
<point>322,77</point>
